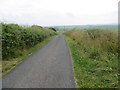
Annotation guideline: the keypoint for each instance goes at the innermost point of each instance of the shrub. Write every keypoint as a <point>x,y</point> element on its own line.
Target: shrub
<point>16,38</point>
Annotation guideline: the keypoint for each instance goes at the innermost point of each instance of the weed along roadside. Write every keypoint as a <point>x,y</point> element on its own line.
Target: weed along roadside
<point>94,54</point>
<point>19,42</point>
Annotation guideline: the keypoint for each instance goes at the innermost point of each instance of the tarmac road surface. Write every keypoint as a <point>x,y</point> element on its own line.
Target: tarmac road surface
<point>49,67</point>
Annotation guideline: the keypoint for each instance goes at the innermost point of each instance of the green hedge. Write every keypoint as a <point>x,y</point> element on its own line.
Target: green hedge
<point>16,38</point>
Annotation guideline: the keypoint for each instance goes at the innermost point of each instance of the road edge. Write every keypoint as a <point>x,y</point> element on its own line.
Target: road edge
<point>75,82</point>
<point>30,54</point>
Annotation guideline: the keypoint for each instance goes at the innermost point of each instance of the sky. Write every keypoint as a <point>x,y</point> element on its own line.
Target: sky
<point>59,12</point>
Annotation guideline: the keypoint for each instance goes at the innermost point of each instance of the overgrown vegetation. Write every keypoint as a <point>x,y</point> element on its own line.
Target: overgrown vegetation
<point>19,42</point>
<point>16,38</point>
<point>95,57</point>
<point>8,65</point>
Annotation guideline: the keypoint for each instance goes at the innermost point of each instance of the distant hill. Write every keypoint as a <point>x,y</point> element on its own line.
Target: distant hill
<point>85,27</point>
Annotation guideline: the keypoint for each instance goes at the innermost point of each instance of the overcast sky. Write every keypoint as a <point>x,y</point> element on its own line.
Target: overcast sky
<point>59,12</point>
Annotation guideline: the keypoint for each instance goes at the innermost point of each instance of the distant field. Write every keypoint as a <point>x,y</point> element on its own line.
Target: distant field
<point>95,57</point>
<point>86,27</point>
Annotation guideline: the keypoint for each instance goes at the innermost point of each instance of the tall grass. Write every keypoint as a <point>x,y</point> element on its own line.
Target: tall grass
<point>103,40</point>
<point>95,55</point>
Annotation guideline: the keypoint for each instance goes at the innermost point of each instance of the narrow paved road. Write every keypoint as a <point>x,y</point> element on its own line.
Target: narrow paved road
<point>49,67</point>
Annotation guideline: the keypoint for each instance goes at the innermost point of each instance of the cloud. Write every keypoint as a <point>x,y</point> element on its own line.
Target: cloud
<point>59,12</point>
<point>71,15</point>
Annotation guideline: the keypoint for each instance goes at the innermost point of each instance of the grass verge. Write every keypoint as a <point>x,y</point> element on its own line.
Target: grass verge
<point>8,65</point>
<point>93,73</point>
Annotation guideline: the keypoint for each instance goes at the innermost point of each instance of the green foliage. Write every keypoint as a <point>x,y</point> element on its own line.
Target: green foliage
<point>53,29</point>
<point>103,40</point>
<point>8,65</point>
<point>94,54</point>
<point>15,38</point>
<point>95,57</point>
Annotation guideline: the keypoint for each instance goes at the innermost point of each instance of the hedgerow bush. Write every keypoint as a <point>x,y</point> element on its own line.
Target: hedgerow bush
<point>16,38</point>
